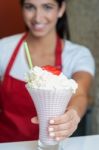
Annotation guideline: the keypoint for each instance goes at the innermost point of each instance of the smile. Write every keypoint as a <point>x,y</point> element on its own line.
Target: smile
<point>38,26</point>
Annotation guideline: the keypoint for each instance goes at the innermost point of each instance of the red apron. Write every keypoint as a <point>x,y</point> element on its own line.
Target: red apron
<point>16,105</point>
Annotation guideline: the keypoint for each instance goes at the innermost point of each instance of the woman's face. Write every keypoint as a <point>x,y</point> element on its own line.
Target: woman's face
<point>41,16</point>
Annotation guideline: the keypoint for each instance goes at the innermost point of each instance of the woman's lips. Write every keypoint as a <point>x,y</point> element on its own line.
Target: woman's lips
<point>38,26</point>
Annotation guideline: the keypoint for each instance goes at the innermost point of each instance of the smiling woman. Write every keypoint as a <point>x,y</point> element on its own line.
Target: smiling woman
<point>47,44</point>
<point>62,24</point>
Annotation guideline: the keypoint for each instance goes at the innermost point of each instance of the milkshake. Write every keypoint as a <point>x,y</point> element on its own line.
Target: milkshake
<point>51,92</point>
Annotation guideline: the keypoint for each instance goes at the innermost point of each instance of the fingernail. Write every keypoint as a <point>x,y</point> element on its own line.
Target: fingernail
<point>51,121</point>
<point>51,129</point>
<point>52,134</point>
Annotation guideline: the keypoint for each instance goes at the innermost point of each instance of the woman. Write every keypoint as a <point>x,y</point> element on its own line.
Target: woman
<point>45,20</point>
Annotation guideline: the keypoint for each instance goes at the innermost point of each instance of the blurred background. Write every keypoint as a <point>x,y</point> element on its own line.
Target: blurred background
<point>83,20</point>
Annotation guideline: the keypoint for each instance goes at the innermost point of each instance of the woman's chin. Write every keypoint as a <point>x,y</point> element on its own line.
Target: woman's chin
<point>38,34</point>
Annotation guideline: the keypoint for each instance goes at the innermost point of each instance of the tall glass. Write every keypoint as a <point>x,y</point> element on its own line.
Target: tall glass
<point>49,104</point>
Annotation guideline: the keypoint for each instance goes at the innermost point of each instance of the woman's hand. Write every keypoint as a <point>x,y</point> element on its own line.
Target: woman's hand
<point>35,120</point>
<point>63,126</point>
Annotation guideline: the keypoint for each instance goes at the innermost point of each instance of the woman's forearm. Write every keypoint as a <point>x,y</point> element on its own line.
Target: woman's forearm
<point>79,103</point>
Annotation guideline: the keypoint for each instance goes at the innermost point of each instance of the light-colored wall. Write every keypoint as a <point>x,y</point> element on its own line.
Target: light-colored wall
<point>83,18</point>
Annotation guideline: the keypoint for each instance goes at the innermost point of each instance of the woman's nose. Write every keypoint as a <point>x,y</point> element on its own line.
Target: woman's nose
<point>38,16</point>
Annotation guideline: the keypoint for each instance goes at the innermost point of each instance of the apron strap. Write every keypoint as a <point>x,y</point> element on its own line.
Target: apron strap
<point>10,64</point>
<point>58,52</point>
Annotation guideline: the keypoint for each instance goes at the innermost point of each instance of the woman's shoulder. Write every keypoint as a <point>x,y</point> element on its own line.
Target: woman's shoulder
<point>75,47</point>
<point>79,56</point>
<point>10,39</point>
<point>7,44</point>
<point>77,51</point>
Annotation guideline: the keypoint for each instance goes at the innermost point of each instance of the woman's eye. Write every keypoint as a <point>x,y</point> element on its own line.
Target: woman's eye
<point>46,7</point>
<point>29,7</point>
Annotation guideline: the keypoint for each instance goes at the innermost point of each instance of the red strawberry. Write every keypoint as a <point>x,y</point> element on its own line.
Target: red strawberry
<point>51,69</point>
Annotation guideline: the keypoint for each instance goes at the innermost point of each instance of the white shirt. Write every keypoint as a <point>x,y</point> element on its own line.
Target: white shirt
<point>74,58</point>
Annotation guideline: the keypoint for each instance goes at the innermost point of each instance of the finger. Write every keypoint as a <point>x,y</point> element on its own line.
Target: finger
<point>66,126</point>
<point>64,130</point>
<point>59,127</point>
<point>69,115</point>
<point>60,119</point>
<point>60,138</point>
<point>63,133</point>
<point>34,120</point>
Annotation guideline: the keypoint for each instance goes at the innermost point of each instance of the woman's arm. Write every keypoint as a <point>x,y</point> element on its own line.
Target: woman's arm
<point>63,126</point>
<point>81,99</point>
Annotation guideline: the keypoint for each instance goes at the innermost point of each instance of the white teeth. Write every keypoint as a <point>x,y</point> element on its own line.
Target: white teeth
<point>39,26</point>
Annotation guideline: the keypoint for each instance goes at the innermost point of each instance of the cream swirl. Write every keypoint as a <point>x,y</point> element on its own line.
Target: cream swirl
<point>43,79</point>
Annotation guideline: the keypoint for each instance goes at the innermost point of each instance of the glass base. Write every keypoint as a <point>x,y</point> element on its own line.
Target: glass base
<point>41,146</point>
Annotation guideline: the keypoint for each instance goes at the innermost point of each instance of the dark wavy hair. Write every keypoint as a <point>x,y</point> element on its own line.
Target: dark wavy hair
<point>62,26</point>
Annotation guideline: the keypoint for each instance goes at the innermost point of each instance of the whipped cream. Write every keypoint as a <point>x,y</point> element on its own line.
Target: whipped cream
<point>43,79</point>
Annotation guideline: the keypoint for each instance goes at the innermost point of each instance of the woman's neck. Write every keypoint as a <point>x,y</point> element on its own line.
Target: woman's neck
<point>43,44</point>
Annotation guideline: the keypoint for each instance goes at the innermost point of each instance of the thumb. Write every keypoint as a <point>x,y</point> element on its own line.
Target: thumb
<point>35,120</point>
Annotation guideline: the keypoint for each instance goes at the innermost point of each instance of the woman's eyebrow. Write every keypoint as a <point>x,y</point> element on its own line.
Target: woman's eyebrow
<point>48,4</point>
<point>51,4</point>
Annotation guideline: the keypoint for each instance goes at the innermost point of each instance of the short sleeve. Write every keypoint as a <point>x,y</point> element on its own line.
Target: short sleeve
<point>84,61</point>
<point>7,46</point>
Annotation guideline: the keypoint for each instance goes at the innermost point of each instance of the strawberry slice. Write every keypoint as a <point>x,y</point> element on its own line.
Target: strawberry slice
<point>51,69</point>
